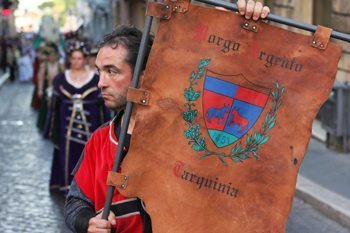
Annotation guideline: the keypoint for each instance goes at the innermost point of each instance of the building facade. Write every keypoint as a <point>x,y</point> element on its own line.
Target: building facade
<point>95,17</point>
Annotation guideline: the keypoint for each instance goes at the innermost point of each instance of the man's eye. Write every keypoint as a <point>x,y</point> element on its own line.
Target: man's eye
<point>110,71</point>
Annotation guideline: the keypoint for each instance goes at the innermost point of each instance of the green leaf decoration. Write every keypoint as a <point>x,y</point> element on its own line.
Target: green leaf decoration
<point>236,160</point>
<point>249,139</point>
<point>235,149</point>
<point>267,118</point>
<point>271,125</point>
<point>190,115</point>
<point>273,94</point>
<point>282,90</point>
<point>203,63</point>
<point>197,147</point>
<point>273,118</point>
<point>201,142</point>
<point>277,85</point>
<point>192,132</point>
<point>191,95</point>
<point>193,75</point>
<point>265,139</point>
<point>239,152</point>
<point>255,137</point>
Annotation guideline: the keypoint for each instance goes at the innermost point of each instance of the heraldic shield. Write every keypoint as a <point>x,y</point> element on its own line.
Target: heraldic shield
<point>230,110</point>
<point>223,120</point>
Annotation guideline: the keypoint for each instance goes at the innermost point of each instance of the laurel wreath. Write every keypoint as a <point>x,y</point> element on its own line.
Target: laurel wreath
<point>239,152</point>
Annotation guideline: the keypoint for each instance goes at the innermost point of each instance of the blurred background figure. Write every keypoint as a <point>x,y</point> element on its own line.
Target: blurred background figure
<point>76,110</point>
<point>92,58</point>
<point>12,55</point>
<point>49,68</point>
<point>25,67</point>
<point>27,55</point>
<point>3,48</point>
<point>40,57</point>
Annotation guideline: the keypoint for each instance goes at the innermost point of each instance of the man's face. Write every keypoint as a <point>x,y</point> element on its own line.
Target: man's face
<point>115,75</point>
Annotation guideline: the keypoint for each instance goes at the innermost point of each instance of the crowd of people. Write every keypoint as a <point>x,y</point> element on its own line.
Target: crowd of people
<point>65,95</point>
<point>70,108</point>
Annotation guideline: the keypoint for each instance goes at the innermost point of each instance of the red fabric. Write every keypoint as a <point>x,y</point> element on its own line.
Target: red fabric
<point>91,176</point>
<point>36,99</point>
<point>36,66</point>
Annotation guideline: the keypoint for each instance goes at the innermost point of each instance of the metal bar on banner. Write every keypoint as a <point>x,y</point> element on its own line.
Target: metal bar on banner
<point>279,19</point>
<point>128,111</point>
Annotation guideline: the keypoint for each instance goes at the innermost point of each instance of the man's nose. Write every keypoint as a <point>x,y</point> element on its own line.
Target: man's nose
<point>103,81</point>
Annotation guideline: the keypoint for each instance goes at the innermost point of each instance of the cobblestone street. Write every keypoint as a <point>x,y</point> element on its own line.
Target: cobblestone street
<point>25,202</point>
<point>25,161</point>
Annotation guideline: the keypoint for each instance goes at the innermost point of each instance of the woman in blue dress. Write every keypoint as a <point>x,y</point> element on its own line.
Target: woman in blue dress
<point>77,109</point>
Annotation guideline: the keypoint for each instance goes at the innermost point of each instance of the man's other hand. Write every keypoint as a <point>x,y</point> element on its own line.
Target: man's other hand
<point>251,9</point>
<point>97,224</point>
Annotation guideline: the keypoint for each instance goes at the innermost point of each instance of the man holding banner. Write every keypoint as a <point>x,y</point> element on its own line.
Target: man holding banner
<point>115,63</point>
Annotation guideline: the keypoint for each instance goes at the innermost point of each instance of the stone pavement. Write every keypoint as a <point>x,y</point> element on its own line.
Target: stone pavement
<point>324,181</point>
<point>3,77</point>
<point>25,161</point>
<point>328,168</point>
<point>304,218</point>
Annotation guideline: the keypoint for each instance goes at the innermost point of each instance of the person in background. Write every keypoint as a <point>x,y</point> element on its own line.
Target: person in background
<point>92,58</point>
<point>12,57</point>
<point>47,71</point>
<point>3,55</point>
<point>40,57</point>
<point>76,110</point>
<point>25,67</point>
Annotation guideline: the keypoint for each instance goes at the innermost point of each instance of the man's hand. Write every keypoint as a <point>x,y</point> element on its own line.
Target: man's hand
<point>97,224</point>
<point>253,10</point>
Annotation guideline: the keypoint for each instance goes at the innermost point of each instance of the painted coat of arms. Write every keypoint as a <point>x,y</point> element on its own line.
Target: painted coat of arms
<point>231,107</point>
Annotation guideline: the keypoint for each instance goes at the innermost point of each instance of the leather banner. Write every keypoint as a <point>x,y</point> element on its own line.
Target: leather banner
<point>228,120</point>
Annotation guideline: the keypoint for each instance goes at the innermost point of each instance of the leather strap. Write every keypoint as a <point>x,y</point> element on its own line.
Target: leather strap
<point>321,37</point>
<point>164,10</point>
<point>159,10</point>
<point>117,180</point>
<point>250,26</point>
<point>180,6</point>
<point>138,96</point>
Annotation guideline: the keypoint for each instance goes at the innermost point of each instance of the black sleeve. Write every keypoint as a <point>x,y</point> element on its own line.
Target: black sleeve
<point>78,210</point>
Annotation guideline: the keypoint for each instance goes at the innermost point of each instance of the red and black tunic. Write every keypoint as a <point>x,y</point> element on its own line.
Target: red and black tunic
<point>88,189</point>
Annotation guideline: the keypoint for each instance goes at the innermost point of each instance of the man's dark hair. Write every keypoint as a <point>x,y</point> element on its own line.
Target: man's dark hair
<point>130,38</point>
